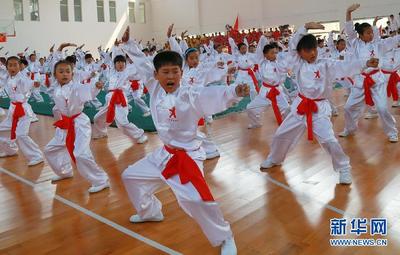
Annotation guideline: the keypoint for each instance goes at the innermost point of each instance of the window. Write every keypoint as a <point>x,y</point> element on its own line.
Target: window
<point>100,10</point>
<point>113,11</point>
<point>18,10</point>
<point>64,10</point>
<point>131,12</point>
<point>78,10</point>
<point>34,10</point>
<point>142,13</point>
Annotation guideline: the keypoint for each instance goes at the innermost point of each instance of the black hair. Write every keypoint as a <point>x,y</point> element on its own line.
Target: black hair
<point>339,41</point>
<point>167,58</point>
<point>119,58</point>
<point>145,50</point>
<point>191,50</point>
<point>71,59</point>
<point>33,54</point>
<point>62,62</point>
<point>13,58</point>
<point>360,28</point>
<point>268,47</point>
<point>308,42</point>
<point>3,60</point>
<point>320,40</point>
<point>88,55</point>
<point>240,45</point>
<point>24,61</point>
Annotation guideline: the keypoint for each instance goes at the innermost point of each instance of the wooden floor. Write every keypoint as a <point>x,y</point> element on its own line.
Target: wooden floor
<point>286,210</point>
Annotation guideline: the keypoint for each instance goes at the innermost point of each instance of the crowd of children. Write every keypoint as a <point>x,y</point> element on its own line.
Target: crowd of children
<point>183,96</point>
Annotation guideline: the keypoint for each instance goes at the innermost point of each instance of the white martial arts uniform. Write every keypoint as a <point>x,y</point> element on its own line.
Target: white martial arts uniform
<point>390,68</point>
<point>175,116</point>
<point>356,101</point>
<point>118,85</point>
<point>315,86</point>
<point>70,99</point>
<point>19,89</point>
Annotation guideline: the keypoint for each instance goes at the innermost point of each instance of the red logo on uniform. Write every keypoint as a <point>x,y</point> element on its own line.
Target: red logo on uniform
<point>191,80</point>
<point>317,75</point>
<point>172,113</point>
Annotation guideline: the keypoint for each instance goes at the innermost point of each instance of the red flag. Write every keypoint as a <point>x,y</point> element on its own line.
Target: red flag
<point>236,25</point>
<point>3,37</point>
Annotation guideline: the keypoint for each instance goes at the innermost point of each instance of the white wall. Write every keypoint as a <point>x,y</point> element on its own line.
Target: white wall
<point>40,35</point>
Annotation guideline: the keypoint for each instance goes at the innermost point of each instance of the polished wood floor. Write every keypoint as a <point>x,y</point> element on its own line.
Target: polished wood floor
<point>286,210</point>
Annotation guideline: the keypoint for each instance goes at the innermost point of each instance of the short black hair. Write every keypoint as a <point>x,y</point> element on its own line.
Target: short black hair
<point>167,58</point>
<point>145,50</point>
<point>268,47</point>
<point>3,60</point>
<point>339,41</point>
<point>71,59</point>
<point>88,55</point>
<point>360,28</point>
<point>24,61</point>
<point>33,54</point>
<point>119,58</point>
<point>13,58</point>
<point>62,62</point>
<point>240,45</point>
<point>308,42</point>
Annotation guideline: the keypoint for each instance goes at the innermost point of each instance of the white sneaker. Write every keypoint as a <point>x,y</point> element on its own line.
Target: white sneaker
<point>268,164</point>
<point>212,155</point>
<point>4,155</point>
<point>146,114</point>
<point>97,137</point>
<point>345,177</point>
<point>253,126</point>
<point>137,219</point>
<point>396,104</point>
<point>393,138</point>
<point>59,178</point>
<point>369,116</point>
<point>95,189</point>
<point>142,139</point>
<point>228,247</point>
<point>345,133</point>
<point>35,162</point>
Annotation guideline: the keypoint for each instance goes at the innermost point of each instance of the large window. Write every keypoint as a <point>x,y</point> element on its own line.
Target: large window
<point>142,13</point>
<point>78,10</point>
<point>18,10</point>
<point>113,11</point>
<point>64,10</point>
<point>100,10</point>
<point>131,11</point>
<point>34,10</point>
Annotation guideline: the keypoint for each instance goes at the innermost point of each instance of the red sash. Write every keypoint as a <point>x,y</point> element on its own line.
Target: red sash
<point>19,112</point>
<point>187,169</point>
<point>67,123</point>
<point>368,84</point>
<point>271,95</point>
<point>392,84</point>
<point>253,77</point>
<point>307,107</point>
<point>117,98</point>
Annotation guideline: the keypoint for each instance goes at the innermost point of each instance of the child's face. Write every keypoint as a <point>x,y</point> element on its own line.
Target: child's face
<point>271,54</point>
<point>252,49</point>
<point>32,58</point>
<point>309,55</point>
<point>243,49</point>
<point>219,49</point>
<point>321,44</point>
<point>89,60</point>
<point>22,66</point>
<point>193,59</point>
<point>41,61</point>
<point>63,74</point>
<point>368,35</point>
<point>169,77</point>
<point>341,45</point>
<point>13,67</point>
<point>120,66</point>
